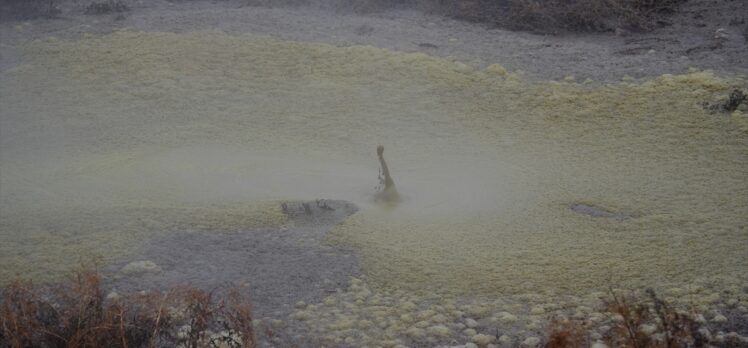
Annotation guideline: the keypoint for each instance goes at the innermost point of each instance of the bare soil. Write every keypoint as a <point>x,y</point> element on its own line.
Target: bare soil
<point>686,40</point>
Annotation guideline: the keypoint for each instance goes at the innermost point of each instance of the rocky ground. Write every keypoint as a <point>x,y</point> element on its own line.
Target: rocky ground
<point>687,40</point>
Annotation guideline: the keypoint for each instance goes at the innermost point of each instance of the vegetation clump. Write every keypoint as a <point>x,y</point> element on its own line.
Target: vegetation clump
<point>77,314</point>
<point>639,322</point>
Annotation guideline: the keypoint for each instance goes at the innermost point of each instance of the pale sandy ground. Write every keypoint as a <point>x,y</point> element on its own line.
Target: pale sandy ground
<point>119,142</point>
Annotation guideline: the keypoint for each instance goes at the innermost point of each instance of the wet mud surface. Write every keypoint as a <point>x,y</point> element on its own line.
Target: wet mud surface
<point>278,266</point>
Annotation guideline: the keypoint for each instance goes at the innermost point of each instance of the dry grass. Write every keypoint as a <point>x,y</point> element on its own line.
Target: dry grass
<point>638,322</point>
<point>76,314</point>
<point>671,328</point>
<point>568,333</point>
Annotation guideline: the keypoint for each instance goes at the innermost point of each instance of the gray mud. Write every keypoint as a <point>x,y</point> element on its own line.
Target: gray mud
<point>598,212</point>
<point>279,267</point>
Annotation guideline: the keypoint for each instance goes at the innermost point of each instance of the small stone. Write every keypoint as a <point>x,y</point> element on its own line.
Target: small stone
<point>439,318</point>
<point>711,298</point>
<point>506,317</point>
<point>113,296</point>
<point>533,325</point>
<point>531,342</point>
<point>719,318</point>
<point>599,344</point>
<point>425,315</point>
<point>462,67</point>
<point>496,69</point>
<point>415,332</point>
<point>302,315</point>
<point>537,310</point>
<point>408,306</point>
<point>140,267</point>
<point>700,319</point>
<point>471,323</point>
<point>184,332</point>
<point>483,340</point>
<point>705,333</point>
<point>505,340</point>
<point>469,332</point>
<point>477,311</point>
<point>647,329</point>
<point>300,305</point>
<point>439,331</point>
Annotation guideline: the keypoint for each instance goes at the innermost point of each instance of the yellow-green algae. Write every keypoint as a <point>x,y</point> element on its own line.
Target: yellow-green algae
<point>487,162</point>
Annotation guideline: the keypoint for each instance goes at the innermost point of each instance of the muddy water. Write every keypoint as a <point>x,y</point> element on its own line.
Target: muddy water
<point>109,140</point>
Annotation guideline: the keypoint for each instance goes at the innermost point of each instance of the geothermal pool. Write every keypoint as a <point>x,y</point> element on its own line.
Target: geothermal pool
<point>108,141</point>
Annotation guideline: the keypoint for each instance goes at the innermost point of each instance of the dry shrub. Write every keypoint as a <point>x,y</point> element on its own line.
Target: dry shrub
<point>639,321</point>
<point>76,314</point>
<point>672,328</point>
<point>568,333</point>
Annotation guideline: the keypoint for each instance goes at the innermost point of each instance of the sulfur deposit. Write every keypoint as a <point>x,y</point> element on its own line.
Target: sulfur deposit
<point>141,133</point>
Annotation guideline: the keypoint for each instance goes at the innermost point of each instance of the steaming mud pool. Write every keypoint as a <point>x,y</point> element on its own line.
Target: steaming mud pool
<point>521,199</point>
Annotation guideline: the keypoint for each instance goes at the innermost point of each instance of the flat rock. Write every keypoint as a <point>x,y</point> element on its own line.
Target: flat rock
<point>140,267</point>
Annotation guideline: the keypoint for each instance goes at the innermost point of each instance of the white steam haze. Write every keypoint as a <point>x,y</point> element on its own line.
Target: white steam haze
<point>110,140</point>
